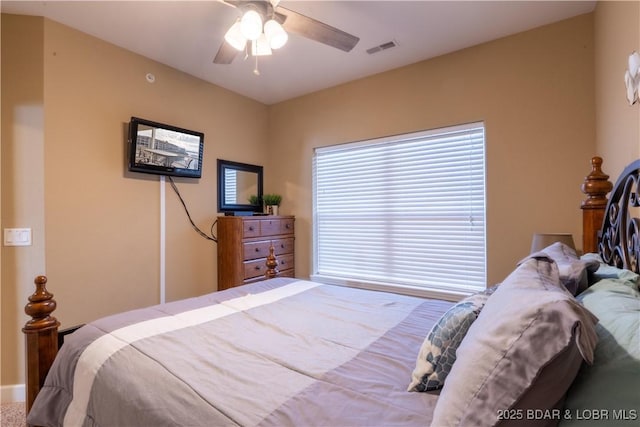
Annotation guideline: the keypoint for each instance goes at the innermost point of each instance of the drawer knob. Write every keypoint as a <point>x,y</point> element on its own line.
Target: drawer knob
<point>257,267</point>
<point>250,228</point>
<point>257,249</point>
<point>282,246</point>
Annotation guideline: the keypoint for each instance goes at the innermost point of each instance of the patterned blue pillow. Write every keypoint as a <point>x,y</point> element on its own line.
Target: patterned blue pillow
<point>438,351</point>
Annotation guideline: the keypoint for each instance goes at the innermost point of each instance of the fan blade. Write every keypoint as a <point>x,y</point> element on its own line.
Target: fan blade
<point>226,54</point>
<point>239,4</point>
<point>315,30</point>
<point>230,3</point>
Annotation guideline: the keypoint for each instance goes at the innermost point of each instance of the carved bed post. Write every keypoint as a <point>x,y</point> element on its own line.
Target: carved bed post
<point>272,264</point>
<point>41,338</point>
<point>596,186</point>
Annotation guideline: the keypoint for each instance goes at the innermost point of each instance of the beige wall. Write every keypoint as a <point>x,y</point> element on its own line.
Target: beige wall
<point>67,98</point>
<point>22,178</point>
<point>617,34</point>
<point>534,91</point>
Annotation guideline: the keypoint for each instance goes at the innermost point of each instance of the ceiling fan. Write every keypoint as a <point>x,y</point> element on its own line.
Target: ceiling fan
<point>249,34</point>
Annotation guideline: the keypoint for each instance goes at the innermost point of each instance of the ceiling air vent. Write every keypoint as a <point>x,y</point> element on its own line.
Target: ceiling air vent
<point>383,46</point>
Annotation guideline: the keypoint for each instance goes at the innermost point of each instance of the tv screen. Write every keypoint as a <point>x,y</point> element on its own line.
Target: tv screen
<point>164,150</point>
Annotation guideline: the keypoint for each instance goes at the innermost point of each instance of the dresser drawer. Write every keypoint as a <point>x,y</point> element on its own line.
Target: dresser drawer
<point>258,267</point>
<point>255,268</point>
<point>251,228</point>
<point>270,227</point>
<point>285,262</point>
<point>286,273</point>
<point>255,250</point>
<point>282,246</point>
<point>260,249</point>
<point>286,226</point>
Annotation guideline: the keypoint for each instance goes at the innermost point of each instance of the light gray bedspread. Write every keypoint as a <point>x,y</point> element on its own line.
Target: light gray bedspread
<point>282,352</point>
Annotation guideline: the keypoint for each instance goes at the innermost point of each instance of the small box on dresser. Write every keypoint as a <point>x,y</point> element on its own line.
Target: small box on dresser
<point>243,247</point>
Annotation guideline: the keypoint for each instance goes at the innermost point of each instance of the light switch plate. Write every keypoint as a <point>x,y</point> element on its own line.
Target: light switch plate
<point>17,237</point>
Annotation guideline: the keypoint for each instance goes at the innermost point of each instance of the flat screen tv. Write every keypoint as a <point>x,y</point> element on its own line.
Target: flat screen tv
<point>164,149</point>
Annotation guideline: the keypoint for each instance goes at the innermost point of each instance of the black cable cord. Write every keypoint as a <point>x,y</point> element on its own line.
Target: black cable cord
<point>195,227</point>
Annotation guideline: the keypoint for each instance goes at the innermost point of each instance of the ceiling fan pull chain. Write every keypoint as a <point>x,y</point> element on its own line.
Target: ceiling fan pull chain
<point>255,70</point>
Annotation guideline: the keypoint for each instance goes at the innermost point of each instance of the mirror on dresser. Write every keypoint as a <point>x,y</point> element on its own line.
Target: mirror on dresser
<point>236,183</point>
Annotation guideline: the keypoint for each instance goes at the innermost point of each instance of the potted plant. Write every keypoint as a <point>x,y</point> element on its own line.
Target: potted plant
<point>271,203</point>
<point>254,200</point>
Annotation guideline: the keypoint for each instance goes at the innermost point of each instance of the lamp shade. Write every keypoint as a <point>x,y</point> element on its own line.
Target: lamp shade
<point>234,37</point>
<point>542,240</point>
<point>251,25</point>
<point>276,35</point>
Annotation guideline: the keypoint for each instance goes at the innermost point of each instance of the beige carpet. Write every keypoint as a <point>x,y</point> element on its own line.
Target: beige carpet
<point>13,414</point>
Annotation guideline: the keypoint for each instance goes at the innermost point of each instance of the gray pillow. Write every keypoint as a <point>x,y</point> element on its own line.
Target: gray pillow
<point>522,352</point>
<point>438,351</point>
<point>573,271</point>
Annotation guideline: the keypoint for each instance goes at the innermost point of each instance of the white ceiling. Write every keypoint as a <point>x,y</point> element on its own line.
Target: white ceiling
<point>186,35</point>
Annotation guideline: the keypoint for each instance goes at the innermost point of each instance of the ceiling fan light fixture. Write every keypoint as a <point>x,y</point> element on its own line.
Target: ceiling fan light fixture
<point>251,25</point>
<point>276,35</point>
<point>260,47</point>
<point>235,38</point>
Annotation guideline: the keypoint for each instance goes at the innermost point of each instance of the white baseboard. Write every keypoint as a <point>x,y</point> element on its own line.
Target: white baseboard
<point>12,393</point>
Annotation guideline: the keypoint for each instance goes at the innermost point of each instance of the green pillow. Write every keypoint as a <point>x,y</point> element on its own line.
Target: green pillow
<point>606,271</point>
<point>610,388</point>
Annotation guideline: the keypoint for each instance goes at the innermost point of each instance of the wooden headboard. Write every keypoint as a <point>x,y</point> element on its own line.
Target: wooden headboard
<point>611,226</point>
<point>596,185</point>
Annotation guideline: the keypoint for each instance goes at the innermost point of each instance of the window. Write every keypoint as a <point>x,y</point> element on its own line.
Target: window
<point>403,213</point>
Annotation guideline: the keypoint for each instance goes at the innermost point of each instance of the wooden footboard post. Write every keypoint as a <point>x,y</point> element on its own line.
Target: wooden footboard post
<point>272,264</point>
<point>41,337</point>
<point>596,185</point>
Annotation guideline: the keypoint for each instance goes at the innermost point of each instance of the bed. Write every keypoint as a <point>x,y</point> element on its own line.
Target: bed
<point>555,343</point>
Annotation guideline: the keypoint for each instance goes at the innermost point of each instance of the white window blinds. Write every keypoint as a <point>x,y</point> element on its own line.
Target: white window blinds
<point>406,212</point>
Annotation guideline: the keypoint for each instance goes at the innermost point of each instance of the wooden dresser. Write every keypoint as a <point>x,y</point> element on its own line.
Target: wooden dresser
<point>243,246</point>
